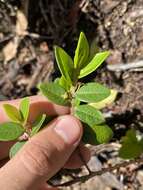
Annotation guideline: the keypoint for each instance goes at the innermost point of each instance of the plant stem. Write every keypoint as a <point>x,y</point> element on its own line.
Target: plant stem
<point>100,172</point>
<point>83,161</point>
<point>72,113</point>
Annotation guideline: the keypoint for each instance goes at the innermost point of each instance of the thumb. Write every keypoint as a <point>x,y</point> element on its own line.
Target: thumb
<point>42,156</point>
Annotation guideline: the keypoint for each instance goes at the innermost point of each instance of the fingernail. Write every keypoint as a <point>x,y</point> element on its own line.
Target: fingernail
<point>69,129</point>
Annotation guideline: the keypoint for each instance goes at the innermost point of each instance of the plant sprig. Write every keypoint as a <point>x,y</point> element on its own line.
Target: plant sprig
<point>19,125</point>
<point>69,91</point>
<point>85,99</point>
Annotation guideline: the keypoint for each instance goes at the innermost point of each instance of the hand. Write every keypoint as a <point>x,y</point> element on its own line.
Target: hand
<point>46,153</point>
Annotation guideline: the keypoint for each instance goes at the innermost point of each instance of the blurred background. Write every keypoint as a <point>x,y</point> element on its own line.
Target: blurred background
<point>28,31</point>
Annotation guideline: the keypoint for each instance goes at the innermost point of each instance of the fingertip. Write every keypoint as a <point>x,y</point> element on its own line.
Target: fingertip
<point>70,129</point>
<point>40,105</point>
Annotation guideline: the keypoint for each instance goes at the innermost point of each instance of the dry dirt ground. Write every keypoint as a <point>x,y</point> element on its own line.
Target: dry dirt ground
<point>26,58</point>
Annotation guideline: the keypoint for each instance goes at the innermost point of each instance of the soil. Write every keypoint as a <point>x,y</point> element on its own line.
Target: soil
<point>116,26</point>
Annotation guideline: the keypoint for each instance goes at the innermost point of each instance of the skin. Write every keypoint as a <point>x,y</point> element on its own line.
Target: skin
<point>53,148</point>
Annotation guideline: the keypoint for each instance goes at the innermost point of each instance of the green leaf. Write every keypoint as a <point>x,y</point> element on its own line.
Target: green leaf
<point>13,113</point>
<point>75,102</point>
<point>15,148</point>
<point>82,52</point>
<point>10,131</point>
<point>38,124</point>
<point>24,108</point>
<point>107,101</point>
<point>55,93</point>
<point>65,63</point>
<point>98,59</point>
<point>64,83</point>
<point>56,80</point>
<point>92,92</point>
<point>97,134</point>
<point>131,146</point>
<point>103,133</point>
<point>89,135</point>
<point>89,115</point>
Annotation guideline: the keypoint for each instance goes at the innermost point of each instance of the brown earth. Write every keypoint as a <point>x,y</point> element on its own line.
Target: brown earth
<point>116,25</point>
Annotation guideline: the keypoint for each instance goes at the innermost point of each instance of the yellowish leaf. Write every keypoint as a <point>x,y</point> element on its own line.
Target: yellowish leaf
<point>107,101</point>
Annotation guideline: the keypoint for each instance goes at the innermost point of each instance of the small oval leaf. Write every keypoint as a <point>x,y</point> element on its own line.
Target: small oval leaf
<point>54,92</point>
<point>15,148</point>
<point>130,151</point>
<point>103,133</point>
<point>98,59</point>
<point>64,83</point>
<point>131,146</point>
<point>38,124</point>
<point>89,115</point>
<point>10,131</point>
<point>106,102</point>
<point>13,113</point>
<point>24,108</point>
<point>82,52</point>
<point>89,135</point>
<point>65,63</point>
<point>97,134</point>
<point>92,92</point>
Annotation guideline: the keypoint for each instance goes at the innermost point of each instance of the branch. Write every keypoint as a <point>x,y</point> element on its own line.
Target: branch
<point>124,67</point>
<point>100,172</point>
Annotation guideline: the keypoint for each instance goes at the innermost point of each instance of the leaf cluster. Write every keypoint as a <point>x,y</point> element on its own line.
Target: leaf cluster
<point>19,125</point>
<point>132,147</point>
<point>85,99</point>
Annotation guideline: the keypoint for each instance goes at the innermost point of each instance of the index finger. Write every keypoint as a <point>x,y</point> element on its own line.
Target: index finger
<point>38,105</point>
